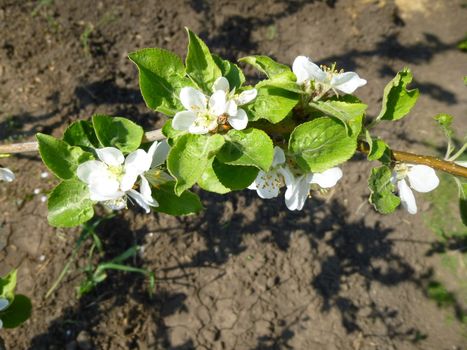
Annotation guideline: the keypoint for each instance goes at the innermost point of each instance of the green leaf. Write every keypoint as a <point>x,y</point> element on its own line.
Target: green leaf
<point>272,104</point>
<point>170,132</point>
<point>231,71</point>
<point>8,285</point>
<point>81,133</point>
<point>346,109</point>
<point>283,82</point>
<point>397,100</point>
<point>69,204</point>
<point>118,132</point>
<point>223,178</point>
<point>189,158</point>
<point>445,121</point>
<point>200,64</point>
<point>321,144</point>
<point>269,67</point>
<point>463,203</point>
<point>250,147</point>
<point>381,187</point>
<point>59,157</point>
<point>17,313</point>
<point>169,203</point>
<point>161,77</point>
<point>378,148</point>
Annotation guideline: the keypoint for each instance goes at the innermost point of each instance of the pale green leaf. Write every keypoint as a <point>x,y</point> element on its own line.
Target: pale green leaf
<point>382,190</point>
<point>118,132</point>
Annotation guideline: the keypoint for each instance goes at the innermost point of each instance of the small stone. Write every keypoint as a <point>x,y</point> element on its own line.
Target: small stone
<point>84,341</point>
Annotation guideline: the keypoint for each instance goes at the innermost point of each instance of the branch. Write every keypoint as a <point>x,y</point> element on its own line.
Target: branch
<point>399,156</point>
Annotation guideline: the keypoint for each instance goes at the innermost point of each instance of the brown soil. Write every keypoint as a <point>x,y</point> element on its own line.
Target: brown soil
<point>246,273</point>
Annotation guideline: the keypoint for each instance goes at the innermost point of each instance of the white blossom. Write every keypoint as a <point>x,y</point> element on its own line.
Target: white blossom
<point>421,178</point>
<point>306,71</point>
<point>111,178</point>
<point>6,175</point>
<point>202,115</point>
<point>4,303</point>
<point>268,184</point>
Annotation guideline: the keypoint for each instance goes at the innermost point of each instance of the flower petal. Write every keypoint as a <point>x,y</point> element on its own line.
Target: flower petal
<point>221,83</point>
<point>158,153</point>
<point>138,162</point>
<point>192,99</point>
<point>327,178</point>
<point>306,70</point>
<point>239,121</point>
<point>422,178</point>
<point>140,200</point>
<point>91,169</point>
<point>279,156</point>
<point>407,197</point>
<point>297,193</point>
<point>128,180</point>
<point>110,155</point>
<point>183,120</point>
<point>347,82</point>
<point>146,192</point>
<point>198,129</point>
<point>267,184</point>
<point>231,107</point>
<point>218,103</point>
<point>246,97</point>
<point>6,175</point>
<point>4,304</point>
<point>105,189</point>
<point>116,204</point>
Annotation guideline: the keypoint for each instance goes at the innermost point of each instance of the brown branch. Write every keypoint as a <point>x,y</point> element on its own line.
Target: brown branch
<point>412,158</point>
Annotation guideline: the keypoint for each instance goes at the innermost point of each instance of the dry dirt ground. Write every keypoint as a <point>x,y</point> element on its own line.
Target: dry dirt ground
<point>245,273</point>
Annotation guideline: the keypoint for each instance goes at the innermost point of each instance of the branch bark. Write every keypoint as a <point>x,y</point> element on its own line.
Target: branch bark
<point>399,156</point>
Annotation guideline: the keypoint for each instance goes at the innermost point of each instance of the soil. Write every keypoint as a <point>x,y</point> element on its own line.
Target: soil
<point>246,273</point>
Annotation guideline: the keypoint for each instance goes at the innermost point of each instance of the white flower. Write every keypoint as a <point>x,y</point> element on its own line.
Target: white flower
<point>6,175</point>
<point>421,178</point>
<point>305,71</point>
<point>298,186</point>
<point>111,179</point>
<point>4,303</point>
<point>268,184</point>
<point>202,116</point>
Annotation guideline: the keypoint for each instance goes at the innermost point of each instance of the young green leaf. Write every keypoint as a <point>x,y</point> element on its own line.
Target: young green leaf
<point>269,67</point>
<point>250,147</point>
<point>200,64</point>
<point>81,133</point>
<point>231,71</point>
<point>59,157</point>
<point>8,285</point>
<point>346,109</point>
<point>397,100</point>
<point>189,158</point>
<point>161,77</point>
<point>378,148</point>
<point>169,203</point>
<point>69,204</point>
<point>118,132</point>
<point>321,144</point>
<point>272,104</point>
<point>170,132</point>
<point>445,121</point>
<point>223,178</point>
<point>381,187</point>
<point>17,313</point>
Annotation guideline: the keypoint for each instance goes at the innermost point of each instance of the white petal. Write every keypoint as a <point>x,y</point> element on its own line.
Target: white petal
<point>347,82</point>
<point>267,184</point>
<point>231,107</point>
<point>407,197</point>
<point>253,186</point>
<point>138,197</point>
<point>138,162</point>
<point>297,193</point>
<point>246,96</point>
<point>327,178</point>
<point>4,304</point>
<point>6,175</point>
<point>183,120</point>
<point>198,129</point>
<point>105,189</point>
<point>239,121</point>
<point>158,153</point>
<point>91,169</point>
<point>110,156</point>
<point>116,204</point>
<point>422,178</point>
<point>289,177</point>
<point>306,70</point>
<point>192,99</point>
<point>128,180</point>
<point>218,103</point>
<point>146,192</point>
<point>279,156</point>
<point>221,84</point>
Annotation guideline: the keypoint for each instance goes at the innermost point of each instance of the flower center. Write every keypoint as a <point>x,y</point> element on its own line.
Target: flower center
<point>206,120</point>
<point>116,171</point>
